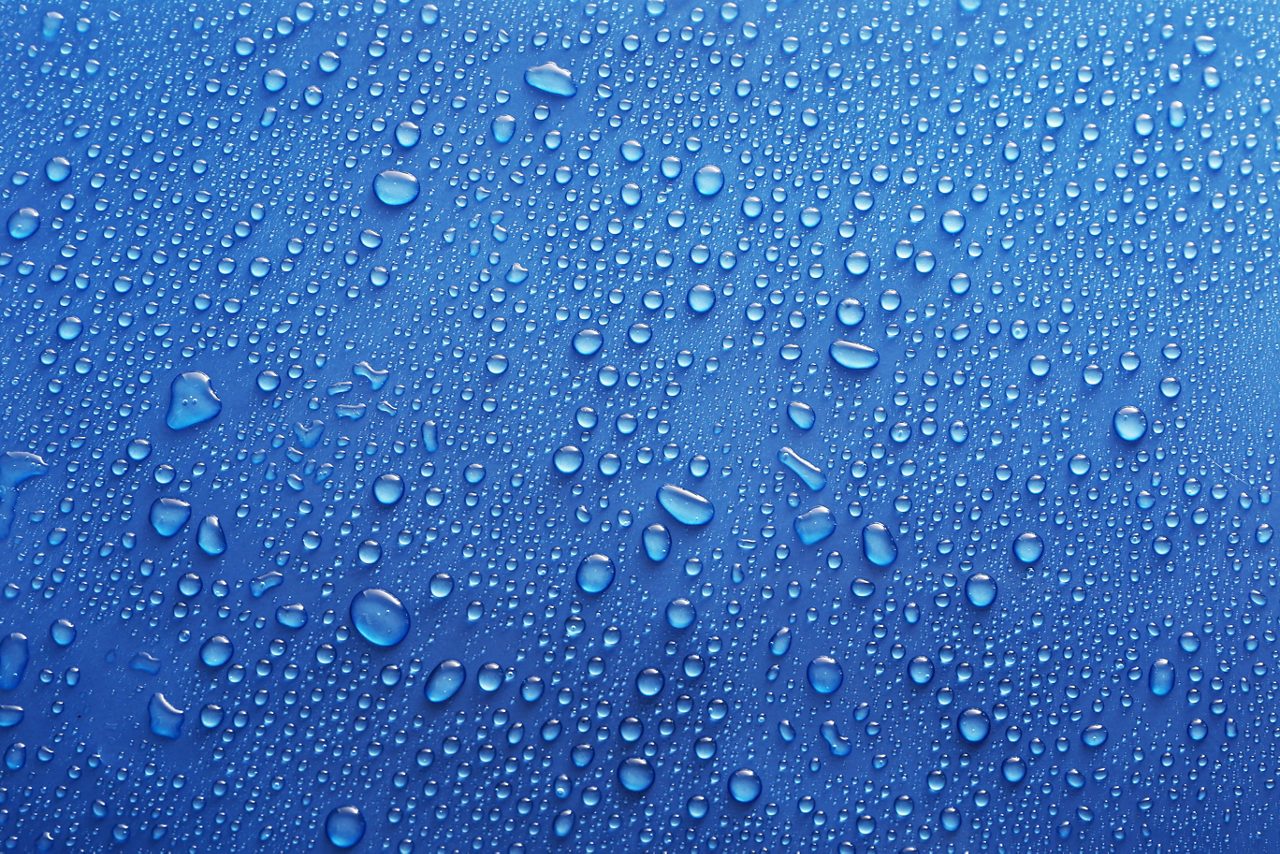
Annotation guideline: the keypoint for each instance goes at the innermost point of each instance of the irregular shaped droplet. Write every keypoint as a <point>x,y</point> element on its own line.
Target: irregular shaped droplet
<point>345,826</point>
<point>808,472</point>
<point>878,545</point>
<point>210,536</point>
<point>169,515</point>
<point>1130,423</point>
<point>595,574</point>
<point>11,716</point>
<point>445,680</point>
<point>814,526</point>
<point>15,653</point>
<point>551,79</point>
<point>16,467</point>
<point>379,617</point>
<point>686,507</point>
<point>854,355</point>
<point>165,719</point>
<point>825,675</point>
<point>395,187</point>
<point>192,401</point>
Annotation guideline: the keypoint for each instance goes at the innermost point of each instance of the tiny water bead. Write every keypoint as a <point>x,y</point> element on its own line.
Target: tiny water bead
<point>1129,423</point>
<point>379,617</point>
<point>395,188</point>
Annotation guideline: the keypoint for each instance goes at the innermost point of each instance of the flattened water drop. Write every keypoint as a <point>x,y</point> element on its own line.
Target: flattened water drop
<point>395,187</point>
<point>854,355</point>
<point>552,79</point>
<point>685,506</point>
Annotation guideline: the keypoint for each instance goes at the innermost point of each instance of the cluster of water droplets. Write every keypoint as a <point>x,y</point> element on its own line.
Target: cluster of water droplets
<point>739,426</point>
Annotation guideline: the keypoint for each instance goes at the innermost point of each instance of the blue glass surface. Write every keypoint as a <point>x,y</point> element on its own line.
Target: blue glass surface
<point>645,426</point>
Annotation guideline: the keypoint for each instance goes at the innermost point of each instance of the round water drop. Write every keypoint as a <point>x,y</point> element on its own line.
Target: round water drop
<point>1095,735</point>
<point>595,573</point>
<point>708,180</point>
<point>857,263</point>
<point>344,826</point>
<point>878,545</point>
<point>445,680</point>
<point>58,169</point>
<point>395,188</point>
<point>681,613</point>
<point>1130,423</point>
<point>657,542</point>
<point>168,515</point>
<point>702,298</point>
<point>953,222</point>
<point>854,355</point>
<point>650,681</point>
<point>63,632</point>
<point>980,590</point>
<point>636,775</point>
<point>388,489</point>
<point>216,651</point>
<point>1161,677</point>
<point>23,223</point>
<point>568,460</point>
<point>686,507</point>
<point>379,617</point>
<point>1014,769</point>
<point>825,675</point>
<point>587,342</point>
<point>920,670</point>
<point>1028,548</point>
<point>745,786</point>
<point>973,725</point>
